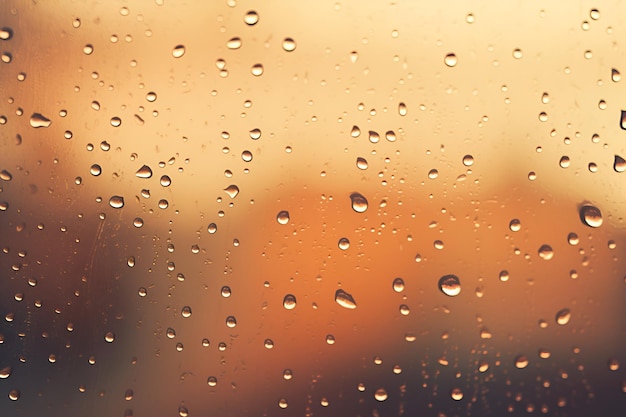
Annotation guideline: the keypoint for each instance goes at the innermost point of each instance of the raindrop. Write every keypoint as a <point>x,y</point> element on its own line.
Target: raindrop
<point>5,175</point>
<point>6,33</point>
<point>374,137</point>
<point>14,395</point>
<point>88,49</point>
<point>380,394</point>
<point>450,285</point>
<point>138,222</point>
<point>361,163</point>
<point>38,120</point>
<point>178,51</point>
<point>504,276</point>
<point>128,395</point>
<point>151,96</point>
<point>257,70</point>
<point>211,381</point>
<point>402,111</point>
<point>109,337</point>
<point>572,239</point>
<point>468,160</point>
<point>289,44</point>
<point>450,60</point>
<point>232,191</point>
<point>165,181</point>
<point>517,53</point>
<point>564,162</point>
<point>613,365</point>
<point>289,302</point>
<point>591,216</point>
<point>390,135</point>
<point>185,312</point>
<point>282,217</point>
<point>234,43</point>
<point>212,228</point>
<point>521,362</point>
<point>619,164</point>
<point>282,403</point>
<point>359,202</point>
<point>594,14</point>
<point>344,299</point>
<point>456,394</point>
<point>545,252</point>
<point>344,243</point>
<point>404,309</point>
<point>116,121</point>
<point>563,316</point>
<point>515,225</point>
<point>255,134</point>
<point>225,291</point>
<point>231,321</point>
<point>622,120</point>
<point>251,18</point>
<point>287,374</point>
<point>398,284</point>
<point>433,173</point>
<point>116,201</point>
<point>615,75</point>
<point>5,372</point>
<point>354,57</point>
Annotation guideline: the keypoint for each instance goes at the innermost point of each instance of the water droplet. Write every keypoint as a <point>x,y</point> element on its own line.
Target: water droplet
<point>450,285</point>
<point>450,60</point>
<point>287,374</point>
<point>594,14</point>
<point>225,291</point>
<point>211,381</point>
<point>572,239</point>
<point>183,412</point>
<point>381,394</point>
<point>88,49</point>
<point>344,243</point>
<point>289,44</point>
<point>517,53</point>
<point>483,367</point>
<point>468,160</point>
<point>5,372</point>
<point>232,190</point>
<point>563,316</point>
<point>109,337</point>
<point>398,284</point>
<point>504,276</point>
<point>470,18</point>
<point>231,321</point>
<point>344,299</point>
<point>613,365</point>
<point>521,362</point>
<point>289,302</point>
<point>355,132</point>
<point>282,403</point>
<point>619,164</point>
<point>456,394</point>
<point>251,18</point>
<point>361,163</point>
<point>14,395</point>
<point>564,162</point>
<point>359,202</point>
<point>170,333</point>
<point>38,120</point>
<point>5,175</point>
<point>234,43</point>
<point>404,309</point>
<point>116,201</point>
<point>591,216</point>
<point>433,173</point>
<point>402,110</point>
<point>212,228</point>
<point>178,51</point>
<point>142,291</point>
<point>283,217</point>
<point>165,181</point>
<point>128,395</point>
<point>6,33</point>
<point>185,312</point>
<point>622,120</point>
<point>374,137</point>
<point>515,225</point>
<point>390,135</point>
<point>545,252</point>
<point>615,75</point>
<point>116,121</point>
<point>544,353</point>
<point>257,70</point>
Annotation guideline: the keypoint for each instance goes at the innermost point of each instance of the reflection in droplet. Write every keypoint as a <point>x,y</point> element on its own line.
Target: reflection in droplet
<point>38,120</point>
<point>282,217</point>
<point>344,299</point>
<point>116,201</point>
<point>344,243</point>
<point>545,252</point>
<point>398,284</point>
<point>591,216</point>
<point>450,285</point>
<point>450,60</point>
<point>563,316</point>
<point>232,190</point>
<point>178,51</point>
<point>619,164</point>
<point>289,302</point>
<point>359,202</point>
<point>381,394</point>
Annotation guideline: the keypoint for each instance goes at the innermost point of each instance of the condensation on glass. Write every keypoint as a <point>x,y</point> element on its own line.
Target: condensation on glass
<point>312,208</point>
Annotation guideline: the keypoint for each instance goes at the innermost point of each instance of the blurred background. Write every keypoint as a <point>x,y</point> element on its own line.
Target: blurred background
<point>336,208</point>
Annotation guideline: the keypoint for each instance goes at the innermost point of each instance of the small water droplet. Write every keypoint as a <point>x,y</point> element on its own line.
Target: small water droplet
<point>116,201</point>
<point>456,394</point>
<point>116,121</point>
<point>515,225</point>
<point>504,276</point>
<point>517,53</point>
<point>109,337</point>
<point>234,43</point>
<point>355,132</point>
<point>212,228</point>
<point>390,135</point>
<point>5,175</point>
<point>283,217</point>
<point>38,120</point>
<point>225,291</point>
<point>165,181</point>
<point>564,162</point>
<point>344,299</point>
<point>128,395</point>
<point>450,285</point>
<point>88,49</point>
<point>231,321</point>
<point>257,70</point>
<point>404,309</point>
<point>398,284</point>
<point>344,243</point>
<point>545,252</point>
<point>615,75</point>
<point>381,394</point>
<point>374,137</point>
<point>354,57</point>
<point>151,97</point>
<point>563,316</point>
<point>287,374</point>
<point>521,362</point>
<point>613,365</point>
<point>251,18</point>
<point>468,160</point>
<point>185,312</point>
<point>211,381</point>
<point>361,163</point>
<point>359,202</point>
<point>594,14</point>
<point>402,110</point>
<point>433,173</point>
<point>6,33</point>
<point>144,172</point>
<point>232,190</point>
<point>622,120</point>
<point>283,403</point>
<point>289,302</point>
<point>619,164</point>
<point>5,372</point>
<point>14,395</point>
<point>178,51</point>
<point>450,60</point>
<point>573,239</point>
<point>591,216</point>
<point>289,44</point>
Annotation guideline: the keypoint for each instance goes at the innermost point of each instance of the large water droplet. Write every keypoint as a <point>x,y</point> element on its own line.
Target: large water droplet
<point>185,312</point>
<point>178,51</point>
<point>355,132</point>
<point>232,190</point>
<point>619,164</point>
<point>344,243</point>
<point>545,252</point>
<point>289,44</point>
<point>381,394</point>
<point>144,172</point>
<point>456,394</point>
<point>398,284</point>
<point>622,120</point>
<point>38,120</point>
<point>344,299</point>
<point>234,43</point>
<point>450,60</point>
<point>521,362</point>
<point>109,337</point>
<point>251,18</point>
<point>14,395</point>
<point>361,163</point>
<point>450,285</point>
<point>6,33</point>
<point>591,216</point>
<point>116,201</point>
<point>283,217</point>
<point>5,175</point>
<point>515,225</point>
<point>615,75</point>
<point>289,302</point>
<point>374,137</point>
<point>359,202</point>
<point>563,316</point>
<point>231,321</point>
<point>5,372</point>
